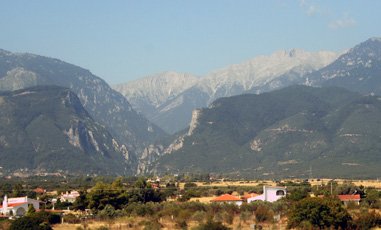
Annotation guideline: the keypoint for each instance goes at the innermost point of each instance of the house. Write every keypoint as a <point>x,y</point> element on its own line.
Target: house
<point>227,198</point>
<point>350,198</point>
<point>17,206</point>
<point>69,196</point>
<point>270,194</point>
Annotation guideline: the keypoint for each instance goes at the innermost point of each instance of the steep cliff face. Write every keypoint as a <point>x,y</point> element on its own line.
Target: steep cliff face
<point>282,133</point>
<point>45,129</point>
<point>105,105</point>
<point>153,153</point>
<point>194,121</point>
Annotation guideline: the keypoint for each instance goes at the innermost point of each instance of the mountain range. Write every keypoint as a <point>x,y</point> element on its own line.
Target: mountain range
<point>283,133</point>
<point>45,129</point>
<point>359,69</point>
<point>105,105</point>
<point>362,76</point>
<point>245,119</point>
<point>168,99</point>
<point>353,69</point>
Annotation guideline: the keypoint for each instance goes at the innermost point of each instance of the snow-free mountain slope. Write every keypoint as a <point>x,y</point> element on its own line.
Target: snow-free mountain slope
<point>104,104</point>
<point>45,129</point>
<point>282,134</point>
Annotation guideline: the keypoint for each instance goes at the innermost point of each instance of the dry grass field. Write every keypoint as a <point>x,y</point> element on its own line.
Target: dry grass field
<point>166,224</point>
<point>314,182</point>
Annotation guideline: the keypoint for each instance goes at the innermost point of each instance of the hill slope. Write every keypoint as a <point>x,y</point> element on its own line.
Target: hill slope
<point>46,129</point>
<point>18,71</point>
<point>283,134</point>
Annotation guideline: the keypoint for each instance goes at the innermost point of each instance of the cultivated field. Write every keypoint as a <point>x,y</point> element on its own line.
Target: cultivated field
<point>313,182</point>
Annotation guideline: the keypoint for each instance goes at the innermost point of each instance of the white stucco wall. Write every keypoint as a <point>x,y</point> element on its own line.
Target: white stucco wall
<point>269,194</point>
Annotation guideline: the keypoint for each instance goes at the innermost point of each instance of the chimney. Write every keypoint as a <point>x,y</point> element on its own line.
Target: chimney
<point>5,205</point>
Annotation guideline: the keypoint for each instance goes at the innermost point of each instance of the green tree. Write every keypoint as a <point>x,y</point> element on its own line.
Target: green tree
<point>298,194</point>
<point>108,212</point>
<point>17,190</point>
<point>31,210</point>
<point>81,203</point>
<point>372,198</point>
<point>320,213</point>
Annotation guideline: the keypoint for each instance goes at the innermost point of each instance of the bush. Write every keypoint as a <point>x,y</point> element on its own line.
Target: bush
<point>198,216</point>
<point>102,228</point>
<point>367,220</point>
<point>212,225</point>
<point>107,212</point>
<point>29,223</point>
<point>263,213</point>
<point>190,185</point>
<point>47,217</point>
<point>71,219</point>
<point>150,225</point>
<point>245,216</point>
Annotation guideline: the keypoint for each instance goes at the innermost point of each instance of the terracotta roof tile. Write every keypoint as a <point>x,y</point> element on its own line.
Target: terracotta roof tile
<point>15,204</point>
<point>226,197</point>
<point>355,197</point>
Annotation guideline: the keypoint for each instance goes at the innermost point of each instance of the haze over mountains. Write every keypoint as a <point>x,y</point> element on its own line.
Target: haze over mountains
<point>170,107</point>
<point>282,132</point>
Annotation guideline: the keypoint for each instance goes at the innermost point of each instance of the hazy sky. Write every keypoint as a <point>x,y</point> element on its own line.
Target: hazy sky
<point>122,40</point>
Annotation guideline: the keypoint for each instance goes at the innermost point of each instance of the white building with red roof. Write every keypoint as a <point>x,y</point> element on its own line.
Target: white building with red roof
<point>355,198</point>
<point>69,196</point>
<point>17,206</point>
<point>227,198</point>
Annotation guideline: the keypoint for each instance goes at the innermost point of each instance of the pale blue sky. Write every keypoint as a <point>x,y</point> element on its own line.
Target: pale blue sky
<point>122,40</point>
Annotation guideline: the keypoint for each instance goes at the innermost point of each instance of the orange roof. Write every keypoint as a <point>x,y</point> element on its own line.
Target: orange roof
<point>39,190</point>
<point>15,204</point>
<point>226,197</point>
<point>247,196</point>
<point>355,197</point>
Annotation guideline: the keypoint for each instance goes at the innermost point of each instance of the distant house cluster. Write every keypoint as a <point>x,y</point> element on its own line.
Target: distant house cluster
<point>18,206</point>
<point>270,194</point>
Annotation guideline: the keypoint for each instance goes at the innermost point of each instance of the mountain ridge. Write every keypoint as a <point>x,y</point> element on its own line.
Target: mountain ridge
<point>281,134</point>
<point>174,113</point>
<point>45,129</point>
<point>18,71</point>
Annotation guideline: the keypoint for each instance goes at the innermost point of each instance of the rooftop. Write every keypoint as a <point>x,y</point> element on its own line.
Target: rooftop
<point>226,197</point>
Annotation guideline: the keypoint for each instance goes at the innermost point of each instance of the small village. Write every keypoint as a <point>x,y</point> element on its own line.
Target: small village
<point>159,203</point>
